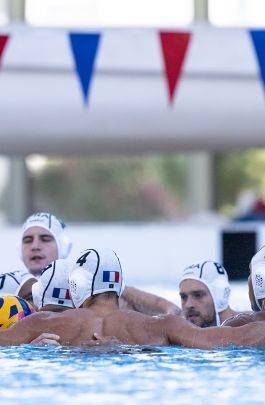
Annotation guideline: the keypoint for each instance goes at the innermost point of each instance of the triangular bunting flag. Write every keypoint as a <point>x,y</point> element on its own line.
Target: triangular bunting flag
<point>84,48</point>
<point>258,38</point>
<point>3,42</point>
<point>174,47</point>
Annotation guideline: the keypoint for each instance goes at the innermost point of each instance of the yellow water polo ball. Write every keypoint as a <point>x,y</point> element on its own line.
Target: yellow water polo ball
<point>12,309</point>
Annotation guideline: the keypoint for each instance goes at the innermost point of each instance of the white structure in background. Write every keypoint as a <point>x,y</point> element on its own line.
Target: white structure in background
<point>219,103</point>
<point>149,253</point>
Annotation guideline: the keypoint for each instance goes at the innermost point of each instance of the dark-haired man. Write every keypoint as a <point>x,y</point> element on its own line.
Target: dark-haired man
<point>95,284</point>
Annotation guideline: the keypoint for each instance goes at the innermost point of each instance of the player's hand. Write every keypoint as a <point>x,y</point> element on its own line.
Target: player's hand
<point>238,320</point>
<point>46,339</point>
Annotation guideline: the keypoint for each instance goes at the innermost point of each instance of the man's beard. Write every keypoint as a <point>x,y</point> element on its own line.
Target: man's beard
<point>203,322</point>
<point>207,324</point>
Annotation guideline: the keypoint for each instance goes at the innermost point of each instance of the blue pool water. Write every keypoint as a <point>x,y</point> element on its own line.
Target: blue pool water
<point>131,375</point>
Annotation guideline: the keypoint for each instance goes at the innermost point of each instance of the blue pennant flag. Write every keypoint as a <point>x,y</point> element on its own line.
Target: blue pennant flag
<point>258,38</point>
<point>84,48</point>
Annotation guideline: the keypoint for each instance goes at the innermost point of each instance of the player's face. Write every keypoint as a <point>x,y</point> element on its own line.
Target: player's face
<point>197,303</point>
<point>39,249</point>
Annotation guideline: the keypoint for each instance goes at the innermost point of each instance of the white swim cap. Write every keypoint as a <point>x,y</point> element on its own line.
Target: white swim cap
<point>95,272</point>
<point>258,257</point>
<point>214,276</point>
<point>55,226</point>
<point>52,286</point>
<point>257,267</point>
<point>11,283</point>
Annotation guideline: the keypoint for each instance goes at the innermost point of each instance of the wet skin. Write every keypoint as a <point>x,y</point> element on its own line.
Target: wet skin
<point>104,318</point>
<point>245,318</point>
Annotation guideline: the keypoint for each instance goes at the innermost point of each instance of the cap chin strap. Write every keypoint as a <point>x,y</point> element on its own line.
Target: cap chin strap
<point>217,316</point>
<point>258,307</point>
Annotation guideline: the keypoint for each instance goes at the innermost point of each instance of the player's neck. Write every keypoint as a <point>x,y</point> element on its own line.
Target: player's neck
<point>54,308</point>
<point>101,303</point>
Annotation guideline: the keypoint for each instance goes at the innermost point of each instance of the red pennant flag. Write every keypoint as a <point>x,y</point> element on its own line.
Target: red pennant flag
<point>174,47</point>
<point>3,42</point>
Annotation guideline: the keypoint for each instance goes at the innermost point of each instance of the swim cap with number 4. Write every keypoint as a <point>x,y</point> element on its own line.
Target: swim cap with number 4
<point>95,272</point>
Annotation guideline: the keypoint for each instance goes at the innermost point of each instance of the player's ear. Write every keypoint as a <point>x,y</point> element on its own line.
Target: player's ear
<point>26,289</point>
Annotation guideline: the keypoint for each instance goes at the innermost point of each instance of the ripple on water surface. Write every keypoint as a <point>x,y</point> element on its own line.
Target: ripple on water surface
<point>131,374</point>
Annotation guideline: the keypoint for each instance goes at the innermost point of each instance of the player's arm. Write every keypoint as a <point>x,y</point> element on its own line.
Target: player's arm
<point>146,303</point>
<point>24,331</point>
<point>181,332</point>
<point>252,334</point>
<point>240,319</point>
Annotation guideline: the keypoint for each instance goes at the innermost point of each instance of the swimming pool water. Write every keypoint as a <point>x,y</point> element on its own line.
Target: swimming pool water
<point>130,375</point>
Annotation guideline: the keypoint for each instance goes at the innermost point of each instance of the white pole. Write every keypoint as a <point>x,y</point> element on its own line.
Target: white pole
<point>18,193</point>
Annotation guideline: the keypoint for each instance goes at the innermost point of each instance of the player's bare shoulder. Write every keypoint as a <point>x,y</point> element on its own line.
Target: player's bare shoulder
<point>36,318</point>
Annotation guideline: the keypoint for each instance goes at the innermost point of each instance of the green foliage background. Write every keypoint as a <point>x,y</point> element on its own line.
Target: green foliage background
<point>236,172</point>
<point>142,188</point>
<point>111,189</point>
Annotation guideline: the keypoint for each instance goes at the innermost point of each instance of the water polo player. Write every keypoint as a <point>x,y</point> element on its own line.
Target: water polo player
<point>204,291</point>
<point>51,291</point>
<point>43,240</point>
<point>17,283</point>
<point>256,291</point>
<point>95,285</point>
